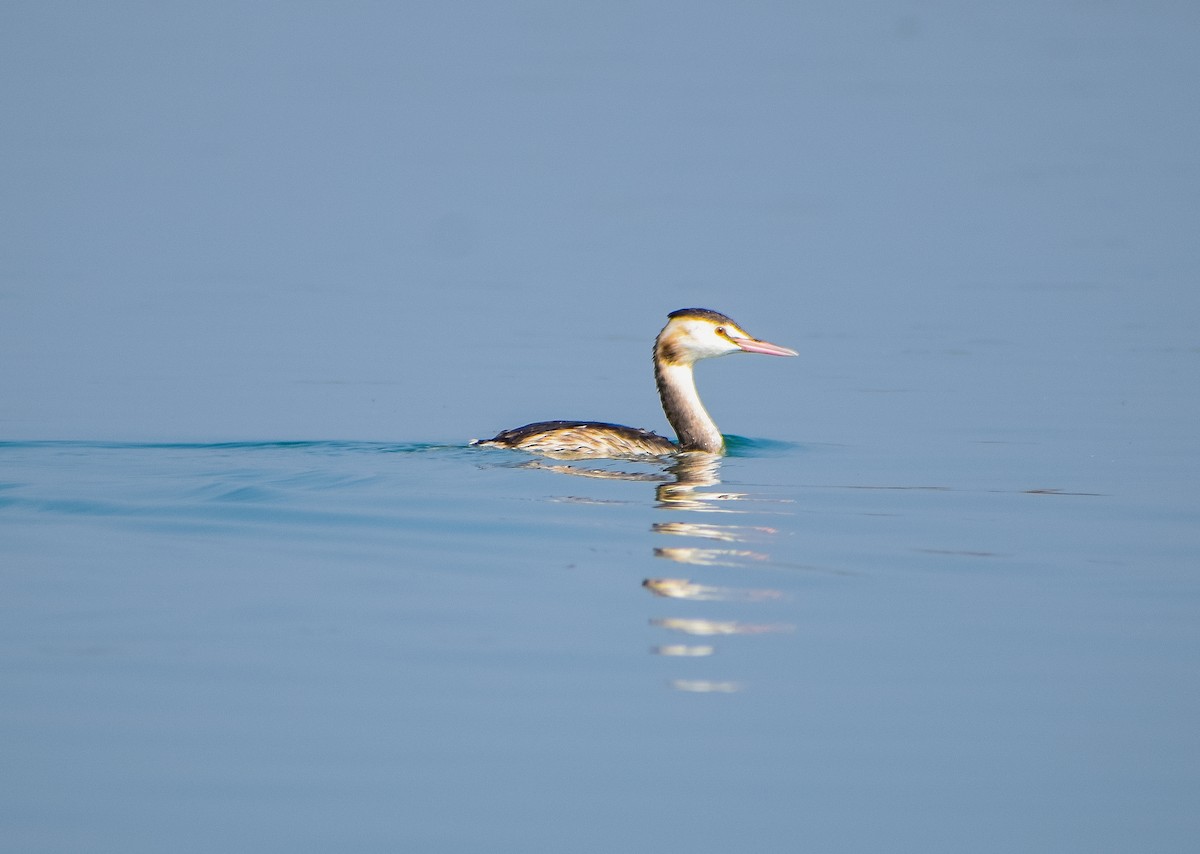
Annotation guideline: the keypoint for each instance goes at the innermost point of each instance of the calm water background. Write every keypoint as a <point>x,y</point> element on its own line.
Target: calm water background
<point>265,270</point>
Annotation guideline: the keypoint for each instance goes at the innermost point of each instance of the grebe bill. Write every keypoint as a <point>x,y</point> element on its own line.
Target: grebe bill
<point>691,334</point>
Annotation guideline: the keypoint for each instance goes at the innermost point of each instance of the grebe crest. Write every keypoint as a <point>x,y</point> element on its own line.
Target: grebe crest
<point>691,334</point>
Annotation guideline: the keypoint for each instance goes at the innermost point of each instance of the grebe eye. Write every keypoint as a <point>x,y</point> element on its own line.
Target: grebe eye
<point>720,330</point>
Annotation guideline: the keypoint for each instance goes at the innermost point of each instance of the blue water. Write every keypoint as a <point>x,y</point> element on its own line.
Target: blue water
<point>265,271</point>
<point>307,644</point>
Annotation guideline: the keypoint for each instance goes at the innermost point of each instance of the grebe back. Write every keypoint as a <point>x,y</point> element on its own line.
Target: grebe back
<point>691,334</point>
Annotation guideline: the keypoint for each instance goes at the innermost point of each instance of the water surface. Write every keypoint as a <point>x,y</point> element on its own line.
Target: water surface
<point>265,271</point>
<point>293,641</point>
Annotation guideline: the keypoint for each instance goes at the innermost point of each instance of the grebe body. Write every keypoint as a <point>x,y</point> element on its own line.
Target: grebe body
<point>691,334</point>
<point>583,439</point>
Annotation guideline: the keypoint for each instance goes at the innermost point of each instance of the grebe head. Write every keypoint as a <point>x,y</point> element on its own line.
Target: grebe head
<point>692,334</point>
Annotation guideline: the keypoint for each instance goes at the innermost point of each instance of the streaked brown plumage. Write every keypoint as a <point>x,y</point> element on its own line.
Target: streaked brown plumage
<point>691,334</point>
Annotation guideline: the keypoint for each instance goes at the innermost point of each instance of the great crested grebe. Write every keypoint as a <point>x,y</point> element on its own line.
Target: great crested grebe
<point>691,334</point>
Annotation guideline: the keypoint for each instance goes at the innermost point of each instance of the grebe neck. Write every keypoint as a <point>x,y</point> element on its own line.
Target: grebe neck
<point>681,403</point>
